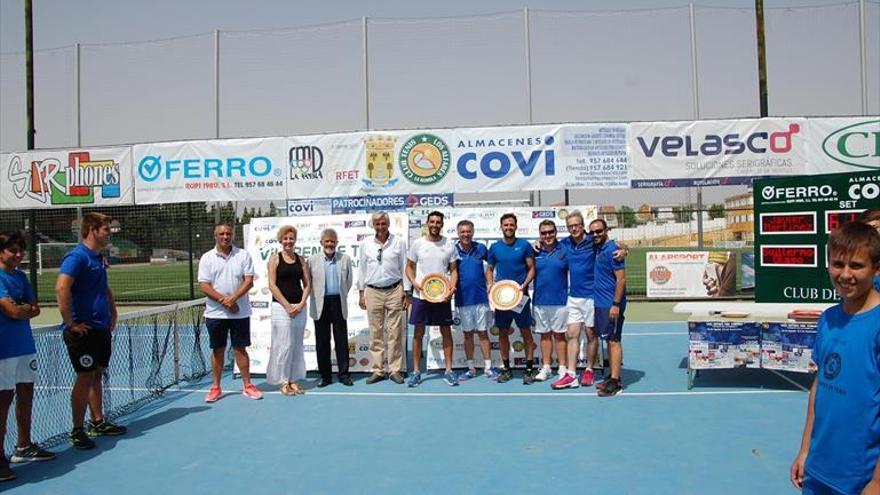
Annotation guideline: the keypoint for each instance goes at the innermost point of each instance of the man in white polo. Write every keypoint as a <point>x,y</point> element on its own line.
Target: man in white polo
<point>226,274</point>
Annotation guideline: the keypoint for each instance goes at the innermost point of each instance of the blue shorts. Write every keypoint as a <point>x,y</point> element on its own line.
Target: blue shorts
<point>812,486</point>
<point>238,331</point>
<point>523,319</point>
<point>428,313</point>
<point>606,328</point>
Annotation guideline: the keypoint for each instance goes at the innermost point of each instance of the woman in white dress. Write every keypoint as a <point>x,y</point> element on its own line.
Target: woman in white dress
<point>290,284</point>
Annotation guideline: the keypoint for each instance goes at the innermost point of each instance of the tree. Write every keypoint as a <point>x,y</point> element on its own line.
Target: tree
<point>683,214</point>
<point>627,216</point>
<point>273,210</point>
<point>716,211</point>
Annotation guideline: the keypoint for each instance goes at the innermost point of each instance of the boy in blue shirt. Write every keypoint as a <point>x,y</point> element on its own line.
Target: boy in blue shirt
<point>18,359</point>
<point>841,441</point>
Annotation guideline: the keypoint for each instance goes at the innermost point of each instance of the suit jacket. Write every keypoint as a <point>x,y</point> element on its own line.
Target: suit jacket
<point>316,268</point>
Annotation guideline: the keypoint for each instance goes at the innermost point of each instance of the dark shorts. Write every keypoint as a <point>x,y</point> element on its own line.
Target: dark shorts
<point>606,328</point>
<point>503,319</point>
<point>238,331</point>
<point>428,313</point>
<point>90,351</point>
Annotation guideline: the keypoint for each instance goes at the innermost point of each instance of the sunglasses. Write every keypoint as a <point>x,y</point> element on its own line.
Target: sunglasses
<point>597,232</point>
<point>379,258</point>
<point>548,232</point>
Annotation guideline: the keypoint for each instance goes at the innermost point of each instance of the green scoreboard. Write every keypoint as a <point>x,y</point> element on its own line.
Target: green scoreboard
<point>793,216</point>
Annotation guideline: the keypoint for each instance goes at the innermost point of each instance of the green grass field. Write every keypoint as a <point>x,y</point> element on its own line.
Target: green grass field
<point>136,283</point>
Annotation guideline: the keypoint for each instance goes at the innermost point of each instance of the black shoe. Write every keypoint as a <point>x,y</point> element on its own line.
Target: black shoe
<point>505,375</point>
<point>32,452</point>
<point>610,387</point>
<point>346,380</point>
<point>529,377</point>
<point>397,377</point>
<point>80,440</point>
<point>324,382</point>
<point>6,474</point>
<point>375,378</point>
<point>105,427</point>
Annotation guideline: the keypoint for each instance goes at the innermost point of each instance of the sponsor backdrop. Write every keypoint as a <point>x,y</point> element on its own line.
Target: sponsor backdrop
<point>221,170</point>
<point>793,217</point>
<point>724,344</point>
<point>55,179</point>
<point>364,204</point>
<point>261,243</point>
<point>395,164</point>
<point>691,274</point>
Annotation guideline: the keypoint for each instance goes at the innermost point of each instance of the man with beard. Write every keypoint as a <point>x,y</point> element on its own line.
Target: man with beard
<point>610,300</point>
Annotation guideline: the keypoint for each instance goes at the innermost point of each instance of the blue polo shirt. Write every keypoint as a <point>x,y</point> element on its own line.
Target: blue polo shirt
<point>605,282</point>
<point>581,266</point>
<point>471,288</point>
<point>551,282</point>
<point>89,291</point>
<point>15,335</point>
<point>510,260</point>
<point>845,441</point>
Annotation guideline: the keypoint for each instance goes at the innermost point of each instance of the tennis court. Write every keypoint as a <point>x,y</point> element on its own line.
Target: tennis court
<point>735,432</point>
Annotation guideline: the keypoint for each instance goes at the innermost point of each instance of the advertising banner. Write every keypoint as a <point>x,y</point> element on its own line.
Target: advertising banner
<point>849,144</point>
<point>793,217</point>
<point>691,274</point>
<point>788,346</point>
<point>724,344</point>
<point>261,243</point>
<point>595,156</point>
<point>221,170</point>
<point>57,179</point>
<point>715,152</point>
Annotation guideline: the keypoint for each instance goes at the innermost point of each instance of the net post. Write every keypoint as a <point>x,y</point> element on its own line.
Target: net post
<point>176,343</point>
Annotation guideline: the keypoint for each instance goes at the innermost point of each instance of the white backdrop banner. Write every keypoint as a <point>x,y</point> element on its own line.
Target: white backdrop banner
<point>221,170</point>
<point>691,274</point>
<point>53,179</point>
<point>261,243</point>
<point>716,152</point>
<point>843,145</point>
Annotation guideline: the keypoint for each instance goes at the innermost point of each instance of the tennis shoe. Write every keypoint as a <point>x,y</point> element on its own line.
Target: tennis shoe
<point>415,379</point>
<point>566,381</point>
<point>467,375</point>
<point>80,440</point>
<point>492,374</point>
<point>587,377</point>
<point>543,375</point>
<point>252,392</point>
<point>32,452</point>
<point>450,379</point>
<point>505,375</point>
<point>213,394</point>
<point>6,474</point>
<point>528,377</point>
<point>610,388</point>
<point>105,427</point>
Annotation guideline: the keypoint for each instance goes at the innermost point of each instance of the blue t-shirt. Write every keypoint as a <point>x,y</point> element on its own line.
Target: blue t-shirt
<point>89,291</point>
<point>471,288</point>
<point>551,282</point>
<point>606,281</point>
<point>15,335</point>
<point>581,266</point>
<point>509,260</point>
<point>845,442</point>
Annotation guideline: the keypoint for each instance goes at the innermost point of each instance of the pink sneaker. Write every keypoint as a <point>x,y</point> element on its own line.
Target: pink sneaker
<point>587,378</point>
<point>213,394</point>
<point>252,392</point>
<point>567,381</point>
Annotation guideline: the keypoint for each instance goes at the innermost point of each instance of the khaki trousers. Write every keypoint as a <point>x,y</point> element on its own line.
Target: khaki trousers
<point>385,314</point>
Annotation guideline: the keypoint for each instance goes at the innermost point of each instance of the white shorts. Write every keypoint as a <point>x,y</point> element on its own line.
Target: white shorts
<point>581,310</point>
<point>475,317</point>
<point>19,369</point>
<point>550,319</point>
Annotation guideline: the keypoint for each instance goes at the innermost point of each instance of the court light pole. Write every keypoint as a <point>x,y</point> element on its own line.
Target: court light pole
<point>29,71</point>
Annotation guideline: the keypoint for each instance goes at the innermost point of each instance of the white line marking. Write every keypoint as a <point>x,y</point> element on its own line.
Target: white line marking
<point>651,334</point>
<point>590,394</point>
<point>789,380</point>
<point>153,289</point>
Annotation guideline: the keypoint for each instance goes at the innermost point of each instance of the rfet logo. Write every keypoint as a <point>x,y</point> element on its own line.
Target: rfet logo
<point>501,156</point>
<point>50,181</point>
<point>759,142</point>
<point>857,145</point>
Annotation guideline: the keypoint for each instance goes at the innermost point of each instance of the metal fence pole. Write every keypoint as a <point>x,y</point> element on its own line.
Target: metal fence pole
<point>189,236</point>
<point>366,75</point>
<point>863,57</point>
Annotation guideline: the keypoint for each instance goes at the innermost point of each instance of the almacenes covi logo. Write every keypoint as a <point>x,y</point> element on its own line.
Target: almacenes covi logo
<point>424,159</point>
<point>50,181</point>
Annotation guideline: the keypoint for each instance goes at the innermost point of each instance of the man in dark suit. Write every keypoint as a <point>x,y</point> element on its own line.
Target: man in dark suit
<point>328,306</point>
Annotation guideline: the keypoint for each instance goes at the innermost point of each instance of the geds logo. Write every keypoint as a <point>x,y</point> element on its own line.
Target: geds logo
<point>715,144</point>
<point>152,168</point>
<point>497,163</point>
<point>857,145</point>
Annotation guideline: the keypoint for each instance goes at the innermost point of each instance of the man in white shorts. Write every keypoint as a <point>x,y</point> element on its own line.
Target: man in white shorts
<point>551,298</point>
<point>472,301</point>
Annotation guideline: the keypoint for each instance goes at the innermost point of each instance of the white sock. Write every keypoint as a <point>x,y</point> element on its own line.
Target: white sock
<point>562,370</point>
<point>470,365</point>
<point>487,363</point>
<point>546,367</point>
<point>572,373</point>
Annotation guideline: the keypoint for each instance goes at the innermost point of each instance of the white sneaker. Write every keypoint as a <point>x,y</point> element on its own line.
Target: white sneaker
<point>543,375</point>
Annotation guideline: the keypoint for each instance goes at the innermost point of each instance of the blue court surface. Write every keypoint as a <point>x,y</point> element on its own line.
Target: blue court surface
<point>735,432</point>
